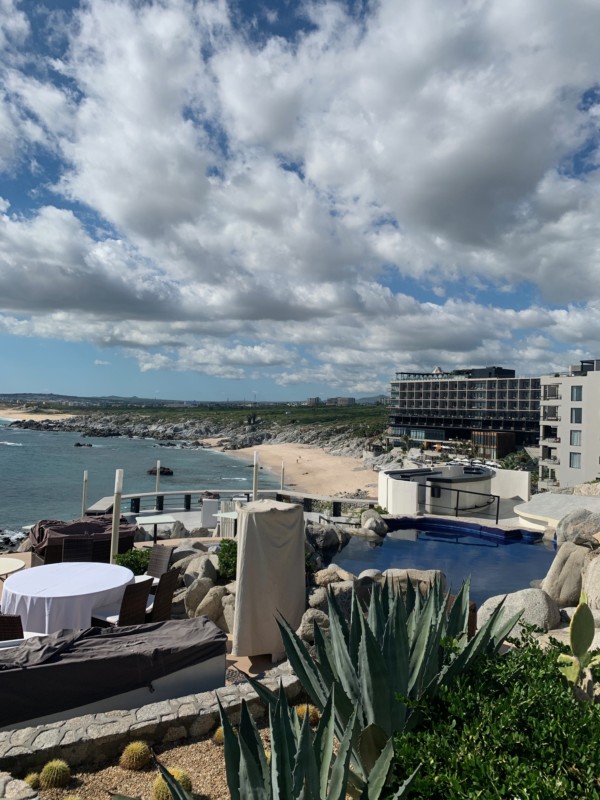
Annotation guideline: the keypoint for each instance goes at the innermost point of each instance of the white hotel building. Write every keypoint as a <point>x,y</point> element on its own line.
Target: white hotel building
<point>570,426</point>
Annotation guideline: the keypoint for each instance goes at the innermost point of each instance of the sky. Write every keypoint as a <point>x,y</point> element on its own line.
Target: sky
<point>278,200</point>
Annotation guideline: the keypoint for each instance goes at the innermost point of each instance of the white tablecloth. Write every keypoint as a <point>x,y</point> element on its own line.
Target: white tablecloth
<point>56,596</point>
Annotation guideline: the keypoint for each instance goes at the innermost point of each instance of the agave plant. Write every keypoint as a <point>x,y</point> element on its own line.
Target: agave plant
<point>384,661</point>
<point>577,667</point>
<point>176,789</point>
<point>302,765</point>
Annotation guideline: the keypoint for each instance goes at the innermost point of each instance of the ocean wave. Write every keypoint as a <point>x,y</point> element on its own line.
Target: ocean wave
<point>12,444</point>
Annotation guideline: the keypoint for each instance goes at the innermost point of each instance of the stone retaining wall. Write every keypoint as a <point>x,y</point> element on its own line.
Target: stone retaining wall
<point>96,739</point>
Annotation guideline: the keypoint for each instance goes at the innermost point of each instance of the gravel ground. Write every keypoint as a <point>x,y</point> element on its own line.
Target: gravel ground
<point>202,760</point>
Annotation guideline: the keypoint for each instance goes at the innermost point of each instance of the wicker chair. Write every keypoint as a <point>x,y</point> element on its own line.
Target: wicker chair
<point>77,548</point>
<point>132,610</point>
<point>53,553</point>
<point>101,549</point>
<point>11,627</point>
<point>160,558</point>
<point>159,609</point>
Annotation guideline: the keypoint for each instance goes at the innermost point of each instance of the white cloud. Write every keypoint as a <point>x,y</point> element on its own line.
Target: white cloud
<point>376,194</point>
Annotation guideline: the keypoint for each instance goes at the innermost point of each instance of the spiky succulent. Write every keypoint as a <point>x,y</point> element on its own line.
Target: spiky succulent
<point>32,779</point>
<point>160,789</point>
<point>56,774</point>
<point>135,756</point>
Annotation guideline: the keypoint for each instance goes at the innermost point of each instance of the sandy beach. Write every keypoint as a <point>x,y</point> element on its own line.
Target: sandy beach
<point>10,412</point>
<point>312,470</point>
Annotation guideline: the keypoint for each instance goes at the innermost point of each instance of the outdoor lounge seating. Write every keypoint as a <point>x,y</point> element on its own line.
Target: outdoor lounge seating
<point>159,609</point>
<point>131,611</point>
<point>11,627</point>
<point>160,558</point>
<point>77,548</point>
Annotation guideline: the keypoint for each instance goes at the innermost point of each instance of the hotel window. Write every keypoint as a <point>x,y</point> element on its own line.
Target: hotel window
<point>575,460</point>
<point>576,416</point>
<point>575,440</point>
<point>577,393</point>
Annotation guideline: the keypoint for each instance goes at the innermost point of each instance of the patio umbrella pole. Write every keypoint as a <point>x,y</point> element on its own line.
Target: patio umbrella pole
<point>157,477</point>
<point>116,515</point>
<point>282,475</point>
<point>84,496</point>
<point>255,477</point>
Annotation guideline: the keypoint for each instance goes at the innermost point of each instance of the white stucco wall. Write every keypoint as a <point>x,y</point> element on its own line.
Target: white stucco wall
<point>512,483</point>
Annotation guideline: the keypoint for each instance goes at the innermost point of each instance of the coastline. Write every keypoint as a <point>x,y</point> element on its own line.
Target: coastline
<point>311,470</point>
<point>14,414</point>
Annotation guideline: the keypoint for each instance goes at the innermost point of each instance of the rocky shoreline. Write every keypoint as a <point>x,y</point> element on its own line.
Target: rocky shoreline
<point>339,440</point>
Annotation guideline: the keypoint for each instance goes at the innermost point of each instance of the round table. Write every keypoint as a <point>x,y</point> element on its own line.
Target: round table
<point>56,596</point>
<point>8,565</point>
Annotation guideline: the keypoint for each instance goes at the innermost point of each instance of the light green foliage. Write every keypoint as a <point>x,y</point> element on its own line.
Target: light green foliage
<point>300,763</point>
<point>136,559</point>
<point>577,667</point>
<point>135,756</point>
<point>55,774</point>
<point>161,789</point>
<point>385,661</point>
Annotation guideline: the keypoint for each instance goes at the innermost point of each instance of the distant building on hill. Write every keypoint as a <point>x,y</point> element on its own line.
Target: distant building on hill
<point>570,427</point>
<point>313,401</point>
<point>489,406</point>
<point>341,401</point>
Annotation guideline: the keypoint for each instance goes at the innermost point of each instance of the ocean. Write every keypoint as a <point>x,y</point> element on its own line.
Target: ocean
<point>41,472</point>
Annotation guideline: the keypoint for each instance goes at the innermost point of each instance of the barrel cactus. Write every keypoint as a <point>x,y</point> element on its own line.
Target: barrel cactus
<point>307,709</point>
<point>56,774</point>
<point>32,779</point>
<point>160,790</point>
<point>135,756</point>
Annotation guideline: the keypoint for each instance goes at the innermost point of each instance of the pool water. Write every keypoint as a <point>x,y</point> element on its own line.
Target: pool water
<point>496,565</point>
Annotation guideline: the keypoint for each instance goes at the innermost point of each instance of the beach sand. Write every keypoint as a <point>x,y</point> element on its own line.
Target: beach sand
<point>10,412</point>
<point>312,470</point>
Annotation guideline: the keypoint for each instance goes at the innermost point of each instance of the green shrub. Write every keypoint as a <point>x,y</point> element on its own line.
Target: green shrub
<point>511,728</point>
<point>228,558</point>
<point>136,559</point>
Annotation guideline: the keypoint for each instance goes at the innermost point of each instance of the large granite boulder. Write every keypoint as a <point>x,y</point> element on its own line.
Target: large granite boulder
<point>373,521</point>
<point>579,526</point>
<point>306,628</point>
<point>342,592</point>
<point>212,604</point>
<point>563,581</point>
<point>421,579</point>
<point>590,580</point>
<point>226,621</point>
<point>323,537</point>
<point>332,574</point>
<point>200,567</point>
<point>537,608</point>
<point>195,594</point>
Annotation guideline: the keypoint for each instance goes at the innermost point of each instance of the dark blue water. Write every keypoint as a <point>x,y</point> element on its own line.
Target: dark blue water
<point>41,473</point>
<point>495,567</point>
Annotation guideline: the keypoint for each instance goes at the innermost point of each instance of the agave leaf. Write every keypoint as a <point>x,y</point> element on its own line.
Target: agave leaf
<point>302,663</point>
<point>421,645</point>
<point>251,744</point>
<point>376,617</point>
<point>375,685</point>
<point>325,659</point>
<point>371,743</point>
<point>231,748</point>
<point>306,773</point>
<point>410,598</point>
<point>405,785</point>
<point>341,765</point>
<point>394,649</point>
<point>333,603</point>
<point>283,748</point>
<point>343,664</point>
<point>176,789</point>
<point>355,631</point>
<point>459,613</point>
<point>379,773</point>
<point>323,743</point>
<point>252,781</point>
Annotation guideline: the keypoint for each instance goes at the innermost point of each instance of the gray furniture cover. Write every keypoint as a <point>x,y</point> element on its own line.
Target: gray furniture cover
<point>49,674</point>
<point>94,527</point>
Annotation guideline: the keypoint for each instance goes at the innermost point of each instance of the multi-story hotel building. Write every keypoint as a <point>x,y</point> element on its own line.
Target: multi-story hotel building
<point>570,426</point>
<point>489,406</point>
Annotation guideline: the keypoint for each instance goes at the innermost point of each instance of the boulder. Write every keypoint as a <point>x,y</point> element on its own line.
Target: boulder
<point>228,603</point>
<point>590,579</point>
<point>178,609</point>
<point>421,579</point>
<point>195,594</point>
<point>580,524</point>
<point>323,537</point>
<point>342,593</point>
<point>332,574</point>
<point>185,550</point>
<point>317,598</point>
<point>563,581</point>
<point>368,535</point>
<point>212,606</point>
<point>178,530</point>
<point>538,609</point>
<point>306,630</point>
<point>373,521</point>
<point>200,567</point>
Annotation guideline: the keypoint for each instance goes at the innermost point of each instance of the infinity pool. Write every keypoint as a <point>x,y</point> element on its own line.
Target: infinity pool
<point>497,562</point>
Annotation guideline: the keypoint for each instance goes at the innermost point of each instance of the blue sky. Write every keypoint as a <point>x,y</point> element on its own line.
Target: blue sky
<point>212,200</point>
